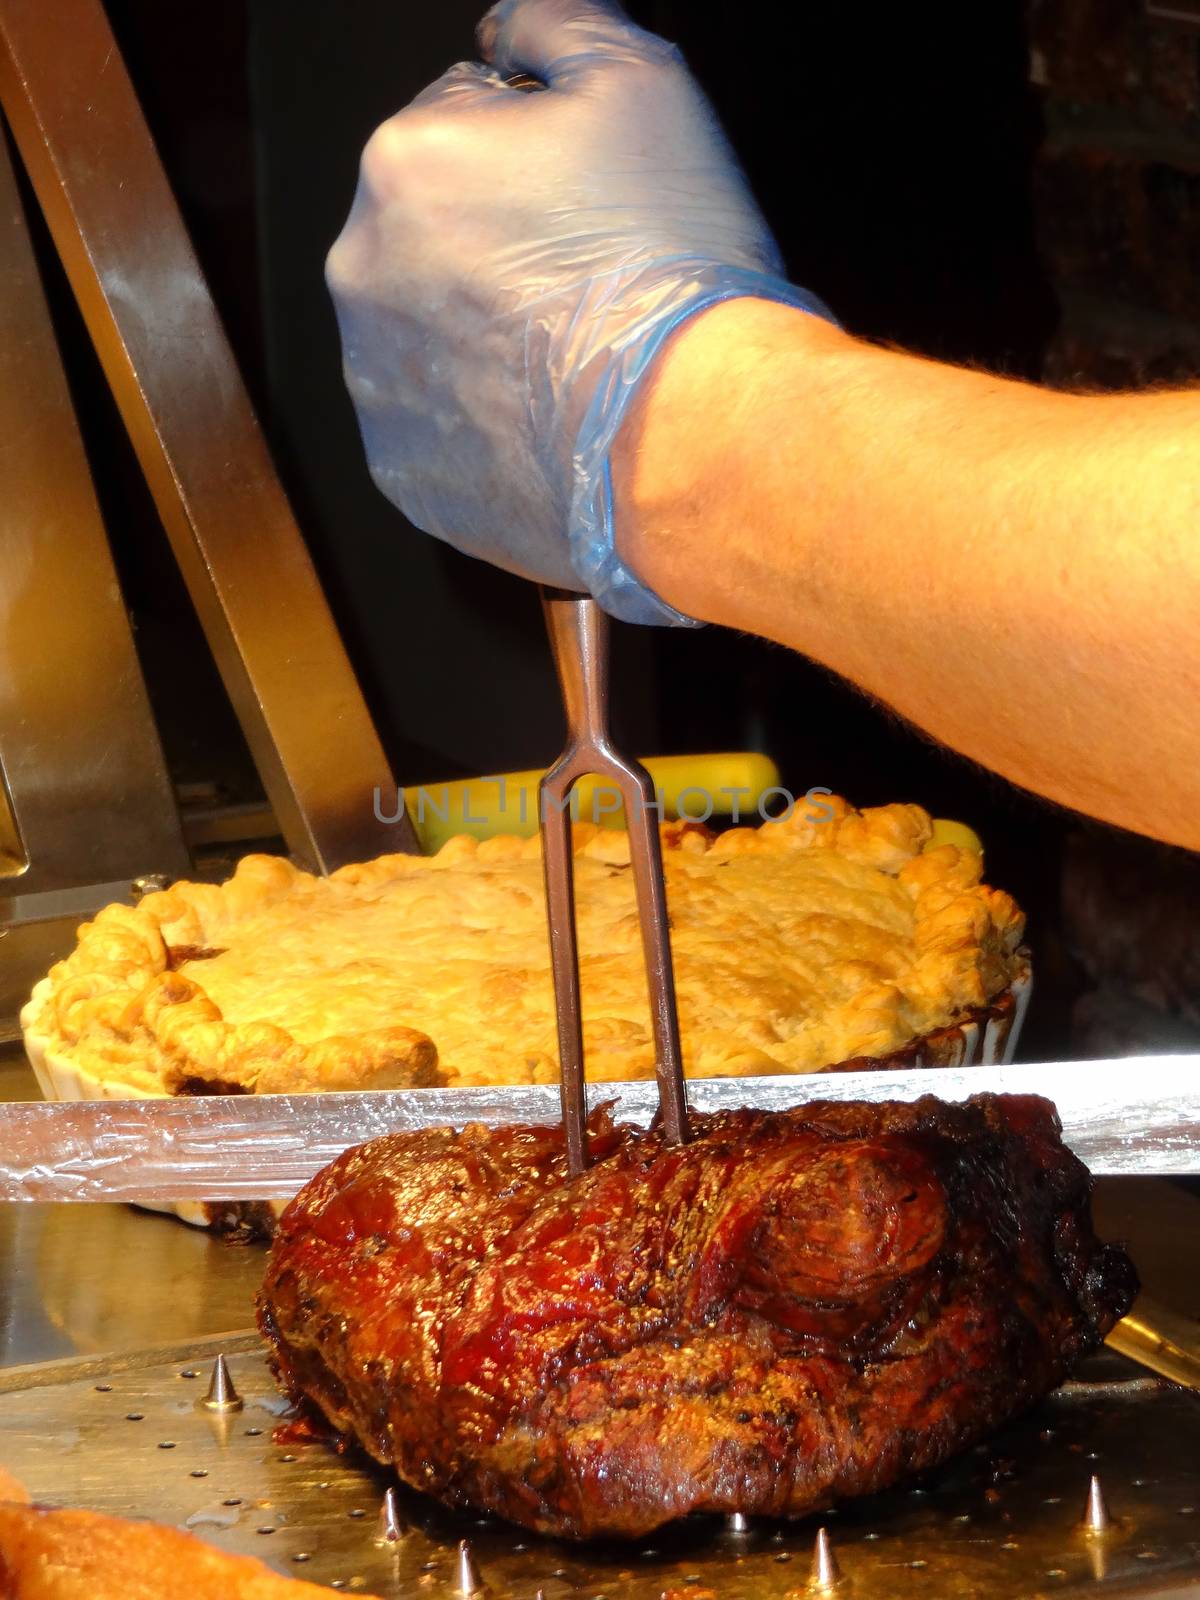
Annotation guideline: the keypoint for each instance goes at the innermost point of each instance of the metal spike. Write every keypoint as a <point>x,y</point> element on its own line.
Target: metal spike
<point>221,1396</point>
<point>469,1580</point>
<point>391,1529</point>
<point>1096,1518</point>
<point>826,1574</point>
<point>737,1522</point>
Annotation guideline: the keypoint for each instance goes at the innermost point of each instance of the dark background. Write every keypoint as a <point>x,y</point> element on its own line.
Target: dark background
<point>1009,186</point>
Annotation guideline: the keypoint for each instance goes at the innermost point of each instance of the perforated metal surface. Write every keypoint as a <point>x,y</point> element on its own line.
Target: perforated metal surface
<point>129,1438</point>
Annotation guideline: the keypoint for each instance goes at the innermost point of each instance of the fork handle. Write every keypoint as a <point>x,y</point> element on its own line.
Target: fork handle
<point>579,639</point>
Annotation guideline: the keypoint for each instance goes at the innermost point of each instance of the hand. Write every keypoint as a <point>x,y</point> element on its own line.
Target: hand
<point>513,264</point>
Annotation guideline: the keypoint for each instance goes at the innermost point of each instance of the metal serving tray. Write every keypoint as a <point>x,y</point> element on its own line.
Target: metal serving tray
<point>128,1436</point>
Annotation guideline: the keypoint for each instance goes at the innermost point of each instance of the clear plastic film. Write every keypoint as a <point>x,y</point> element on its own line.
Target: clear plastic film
<point>1117,1116</point>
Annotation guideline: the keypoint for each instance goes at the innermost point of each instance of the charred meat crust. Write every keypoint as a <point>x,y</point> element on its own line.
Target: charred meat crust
<point>794,1308</point>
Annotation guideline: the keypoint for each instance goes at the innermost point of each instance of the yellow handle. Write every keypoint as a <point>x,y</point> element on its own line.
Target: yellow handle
<point>736,784</point>
<point>947,832</point>
<point>733,785</point>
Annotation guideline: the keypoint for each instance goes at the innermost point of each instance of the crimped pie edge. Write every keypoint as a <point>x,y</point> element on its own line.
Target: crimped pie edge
<point>118,1009</point>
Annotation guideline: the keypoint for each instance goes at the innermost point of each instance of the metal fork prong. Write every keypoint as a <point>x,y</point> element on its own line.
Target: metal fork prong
<point>645,851</point>
<point>558,864</point>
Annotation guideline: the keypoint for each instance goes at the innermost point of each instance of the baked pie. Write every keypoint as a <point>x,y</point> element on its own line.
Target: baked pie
<point>800,945</point>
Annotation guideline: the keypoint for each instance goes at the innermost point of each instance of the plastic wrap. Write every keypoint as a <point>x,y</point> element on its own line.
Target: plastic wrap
<point>1118,1116</point>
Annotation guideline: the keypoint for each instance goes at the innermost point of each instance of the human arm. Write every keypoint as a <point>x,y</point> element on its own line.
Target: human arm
<point>1014,569</point>
<point>556,322</point>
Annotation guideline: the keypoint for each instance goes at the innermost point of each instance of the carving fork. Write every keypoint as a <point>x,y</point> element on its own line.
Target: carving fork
<point>579,637</point>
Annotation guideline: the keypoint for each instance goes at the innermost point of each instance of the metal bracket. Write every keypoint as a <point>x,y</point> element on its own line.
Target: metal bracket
<point>98,179</point>
<point>88,799</point>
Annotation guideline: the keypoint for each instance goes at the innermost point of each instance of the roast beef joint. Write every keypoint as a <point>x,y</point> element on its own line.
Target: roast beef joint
<point>794,1308</point>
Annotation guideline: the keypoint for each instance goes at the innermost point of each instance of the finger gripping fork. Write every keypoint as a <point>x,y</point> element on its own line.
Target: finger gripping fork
<point>579,637</point>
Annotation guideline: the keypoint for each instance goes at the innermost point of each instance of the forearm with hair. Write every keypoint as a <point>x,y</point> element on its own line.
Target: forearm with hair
<point>1014,569</point>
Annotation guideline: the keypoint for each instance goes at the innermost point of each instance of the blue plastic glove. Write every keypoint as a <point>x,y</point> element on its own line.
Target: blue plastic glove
<point>513,264</point>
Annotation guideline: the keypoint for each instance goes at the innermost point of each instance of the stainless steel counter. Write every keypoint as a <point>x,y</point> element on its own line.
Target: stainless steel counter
<point>999,1522</point>
<point>89,1280</point>
<point>92,1279</point>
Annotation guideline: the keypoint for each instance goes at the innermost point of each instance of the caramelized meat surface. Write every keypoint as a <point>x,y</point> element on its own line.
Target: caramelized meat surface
<point>796,1307</point>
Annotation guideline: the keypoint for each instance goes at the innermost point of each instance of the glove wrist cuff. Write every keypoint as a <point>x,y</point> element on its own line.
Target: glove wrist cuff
<point>592,533</point>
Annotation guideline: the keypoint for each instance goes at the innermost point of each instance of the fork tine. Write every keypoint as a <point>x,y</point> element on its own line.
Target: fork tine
<point>558,865</point>
<point>645,850</point>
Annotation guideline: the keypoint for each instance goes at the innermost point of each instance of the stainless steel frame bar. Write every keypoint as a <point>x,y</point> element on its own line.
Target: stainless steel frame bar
<point>86,787</point>
<point>99,181</point>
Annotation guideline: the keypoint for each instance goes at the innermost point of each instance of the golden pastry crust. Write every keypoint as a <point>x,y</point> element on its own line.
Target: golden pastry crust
<point>50,1554</point>
<point>798,945</point>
